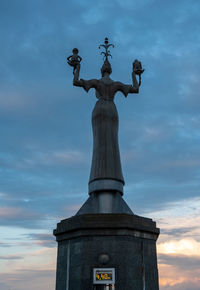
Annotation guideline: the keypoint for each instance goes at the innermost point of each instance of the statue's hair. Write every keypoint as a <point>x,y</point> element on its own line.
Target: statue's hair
<point>106,68</point>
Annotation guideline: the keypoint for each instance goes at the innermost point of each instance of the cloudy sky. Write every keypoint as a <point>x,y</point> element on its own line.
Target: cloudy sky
<point>46,138</point>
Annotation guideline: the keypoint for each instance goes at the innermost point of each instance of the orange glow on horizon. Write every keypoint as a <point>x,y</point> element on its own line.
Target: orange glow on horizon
<point>188,247</point>
<point>171,275</point>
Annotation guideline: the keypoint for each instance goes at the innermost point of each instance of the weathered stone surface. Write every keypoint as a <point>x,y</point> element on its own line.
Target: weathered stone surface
<point>128,240</point>
<point>106,162</point>
<point>105,202</point>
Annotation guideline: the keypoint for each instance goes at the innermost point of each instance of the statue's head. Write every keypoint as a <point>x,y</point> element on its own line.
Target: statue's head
<point>106,68</point>
<point>75,51</point>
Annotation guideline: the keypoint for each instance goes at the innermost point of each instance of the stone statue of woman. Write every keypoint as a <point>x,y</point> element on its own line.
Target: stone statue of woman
<point>106,173</point>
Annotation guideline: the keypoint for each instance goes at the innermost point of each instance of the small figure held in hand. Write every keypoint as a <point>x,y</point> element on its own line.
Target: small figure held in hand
<point>137,69</point>
<point>74,59</point>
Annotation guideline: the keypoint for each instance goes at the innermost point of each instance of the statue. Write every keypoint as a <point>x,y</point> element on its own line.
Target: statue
<point>137,68</point>
<point>106,172</point>
<point>74,60</point>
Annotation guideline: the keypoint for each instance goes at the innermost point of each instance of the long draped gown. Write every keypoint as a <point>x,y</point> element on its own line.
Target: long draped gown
<point>106,163</point>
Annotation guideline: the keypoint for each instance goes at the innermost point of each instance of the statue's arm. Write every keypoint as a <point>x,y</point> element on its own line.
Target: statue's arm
<point>69,57</point>
<point>87,85</point>
<point>128,89</point>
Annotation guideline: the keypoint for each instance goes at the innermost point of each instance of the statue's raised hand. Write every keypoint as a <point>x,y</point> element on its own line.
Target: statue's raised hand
<point>137,69</point>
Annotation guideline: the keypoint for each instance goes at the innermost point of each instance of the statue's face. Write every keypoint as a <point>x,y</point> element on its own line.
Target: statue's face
<point>75,51</point>
<point>105,70</point>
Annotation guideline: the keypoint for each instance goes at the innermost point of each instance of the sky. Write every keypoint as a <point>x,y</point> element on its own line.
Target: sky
<point>46,135</point>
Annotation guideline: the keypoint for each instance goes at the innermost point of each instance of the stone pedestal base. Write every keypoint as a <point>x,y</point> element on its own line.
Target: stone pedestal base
<point>124,242</point>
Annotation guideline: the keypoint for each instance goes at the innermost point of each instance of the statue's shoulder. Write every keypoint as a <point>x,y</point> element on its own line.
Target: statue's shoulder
<point>106,81</point>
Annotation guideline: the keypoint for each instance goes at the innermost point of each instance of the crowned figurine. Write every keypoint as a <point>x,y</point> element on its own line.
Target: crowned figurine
<point>74,59</point>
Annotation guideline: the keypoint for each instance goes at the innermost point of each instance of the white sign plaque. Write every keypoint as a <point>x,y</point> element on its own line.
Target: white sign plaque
<point>103,276</point>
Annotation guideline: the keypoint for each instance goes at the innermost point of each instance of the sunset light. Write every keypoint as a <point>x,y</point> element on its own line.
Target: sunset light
<point>46,137</point>
<point>186,247</point>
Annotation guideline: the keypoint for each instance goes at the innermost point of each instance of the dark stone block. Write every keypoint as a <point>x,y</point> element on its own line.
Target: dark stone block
<point>128,240</point>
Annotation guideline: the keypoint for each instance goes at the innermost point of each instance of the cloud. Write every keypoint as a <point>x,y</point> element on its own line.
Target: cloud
<point>184,262</point>
<point>13,101</point>
<point>46,136</point>
<point>4,245</point>
<point>188,247</point>
<point>28,279</point>
<point>21,217</point>
<point>43,240</point>
<point>158,149</point>
<point>94,15</point>
<point>49,159</point>
<point>10,257</point>
<point>178,245</point>
<point>180,231</point>
<point>182,286</point>
<point>178,221</point>
<point>179,271</point>
<point>30,257</point>
<point>15,213</point>
<point>60,157</point>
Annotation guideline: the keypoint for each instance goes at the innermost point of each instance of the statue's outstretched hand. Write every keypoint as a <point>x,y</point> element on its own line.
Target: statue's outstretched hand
<point>137,70</point>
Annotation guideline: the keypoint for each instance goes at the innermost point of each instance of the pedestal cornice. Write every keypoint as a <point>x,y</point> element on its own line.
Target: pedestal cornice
<point>106,225</point>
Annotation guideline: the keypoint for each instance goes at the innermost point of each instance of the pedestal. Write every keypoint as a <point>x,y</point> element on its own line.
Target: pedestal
<point>123,242</point>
